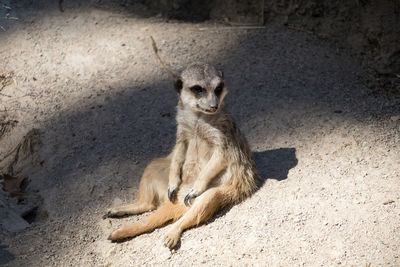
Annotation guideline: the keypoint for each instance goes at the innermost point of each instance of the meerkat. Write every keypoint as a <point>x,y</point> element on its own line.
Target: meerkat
<point>210,167</point>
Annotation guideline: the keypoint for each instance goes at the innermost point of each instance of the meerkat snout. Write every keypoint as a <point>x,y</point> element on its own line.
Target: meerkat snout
<point>212,101</point>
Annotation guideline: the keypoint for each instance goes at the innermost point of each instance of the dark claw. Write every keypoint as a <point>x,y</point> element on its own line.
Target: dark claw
<point>111,239</point>
<point>189,197</point>
<point>107,215</point>
<point>110,214</point>
<point>171,194</point>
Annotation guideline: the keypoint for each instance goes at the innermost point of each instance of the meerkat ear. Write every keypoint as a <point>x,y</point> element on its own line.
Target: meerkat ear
<point>178,85</point>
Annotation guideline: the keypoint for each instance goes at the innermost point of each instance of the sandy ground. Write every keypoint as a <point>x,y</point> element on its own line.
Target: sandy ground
<point>87,79</point>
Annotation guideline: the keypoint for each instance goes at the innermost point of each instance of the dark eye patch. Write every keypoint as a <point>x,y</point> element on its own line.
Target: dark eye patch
<point>219,88</point>
<point>197,89</point>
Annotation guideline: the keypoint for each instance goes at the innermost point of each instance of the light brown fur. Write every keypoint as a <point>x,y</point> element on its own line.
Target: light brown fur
<point>210,167</point>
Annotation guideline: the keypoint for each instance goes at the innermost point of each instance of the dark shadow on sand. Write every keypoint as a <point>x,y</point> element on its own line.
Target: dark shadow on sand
<point>271,164</point>
<point>275,164</point>
<point>5,256</point>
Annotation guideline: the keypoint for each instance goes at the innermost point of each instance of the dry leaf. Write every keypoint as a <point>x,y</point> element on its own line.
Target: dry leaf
<point>5,79</point>
<point>395,118</point>
<point>6,126</point>
<point>12,184</point>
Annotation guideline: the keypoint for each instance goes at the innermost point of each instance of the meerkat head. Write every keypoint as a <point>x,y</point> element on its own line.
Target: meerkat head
<point>201,88</point>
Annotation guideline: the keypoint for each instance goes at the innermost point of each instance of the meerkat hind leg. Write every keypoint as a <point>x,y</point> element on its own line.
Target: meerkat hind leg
<point>203,209</point>
<point>168,212</point>
<point>152,190</point>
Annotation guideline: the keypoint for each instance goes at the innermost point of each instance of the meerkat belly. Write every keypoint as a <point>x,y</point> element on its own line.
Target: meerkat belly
<point>198,154</point>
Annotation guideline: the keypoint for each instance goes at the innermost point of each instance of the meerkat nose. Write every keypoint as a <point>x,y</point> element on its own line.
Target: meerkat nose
<point>214,106</point>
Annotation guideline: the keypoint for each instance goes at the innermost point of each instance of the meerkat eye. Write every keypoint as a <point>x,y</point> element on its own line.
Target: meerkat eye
<point>219,89</point>
<point>197,89</point>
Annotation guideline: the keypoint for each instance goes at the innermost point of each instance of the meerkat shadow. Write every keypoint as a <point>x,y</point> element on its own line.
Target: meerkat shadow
<point>275,164</point>
<point>271,164</point>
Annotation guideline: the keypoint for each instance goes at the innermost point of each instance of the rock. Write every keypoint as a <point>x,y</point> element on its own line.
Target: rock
<point>10,220</point>
<point>15,216</point>
<point>117,202</point>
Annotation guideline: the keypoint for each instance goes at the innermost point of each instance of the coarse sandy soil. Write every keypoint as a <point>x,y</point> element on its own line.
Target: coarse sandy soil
<point>96,106</point>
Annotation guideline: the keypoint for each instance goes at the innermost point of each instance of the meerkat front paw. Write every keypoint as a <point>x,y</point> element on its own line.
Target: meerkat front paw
<point>172,189</point>
<point>192,194</point>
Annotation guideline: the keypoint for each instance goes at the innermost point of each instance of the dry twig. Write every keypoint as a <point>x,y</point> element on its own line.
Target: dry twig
<point>60,6</point>
<point>388,202</point>
<point>242,27</point>
<point>155,50</point>
<point>262,12</point>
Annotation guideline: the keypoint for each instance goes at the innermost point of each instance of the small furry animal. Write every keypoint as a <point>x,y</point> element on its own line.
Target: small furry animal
<point>210,167</point>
